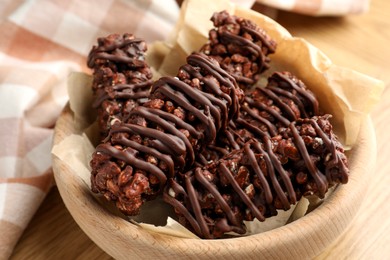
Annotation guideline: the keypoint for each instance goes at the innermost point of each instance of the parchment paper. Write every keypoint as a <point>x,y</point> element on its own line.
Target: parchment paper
<point>348,95</point>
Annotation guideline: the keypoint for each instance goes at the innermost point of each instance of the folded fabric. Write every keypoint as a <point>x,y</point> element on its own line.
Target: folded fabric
<point>318,7</point>
<point>32,95</point>
<point>42,42</point>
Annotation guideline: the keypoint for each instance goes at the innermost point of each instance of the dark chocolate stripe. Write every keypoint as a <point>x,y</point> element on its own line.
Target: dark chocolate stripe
<point>177,121</point>
<point>202,98</point>
<point>215,70</point>
<point>241,41</point>
<point>101,96</point>
<point>132,160</point>
<point>184,211</point>
<point>222,167</point>
<point>222,77</point>
<point>294,98</point>
<point>201,160</point>
<point>147,150</point>
<point>319,178</point>
<point>282,172</point>
<point>230,136</point>
<point>261,36</point>
<point>280,104</point>
<point>150,116</point>
<point>272,174</point>
<point>100,52</point>
<point>131,62</point>
<point>136,95</point>
<point>192,195</point>
<point>218,98</point>
<point>271,127</point>
<point>164,87</point>
<point>217,195</point>
<point>335,155</point>
<point>255,130</point>
<point>256,168</point>
<point>167,143</point>
<point>241,79</point>
<point>120,43</point>
<point>218,149</point>
<point>133,86</point>
<point>271,111</point>
<point>303,92</point>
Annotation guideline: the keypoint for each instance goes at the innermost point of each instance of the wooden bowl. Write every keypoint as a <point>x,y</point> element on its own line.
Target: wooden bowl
<point>301,239</point>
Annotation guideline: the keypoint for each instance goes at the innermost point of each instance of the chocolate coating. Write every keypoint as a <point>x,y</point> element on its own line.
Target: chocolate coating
<point>263,176</point>
<point>162,136</point>
<point>244,157</point>
<point>122,78</point>
<point>264,110</point>
<point>240,46</point>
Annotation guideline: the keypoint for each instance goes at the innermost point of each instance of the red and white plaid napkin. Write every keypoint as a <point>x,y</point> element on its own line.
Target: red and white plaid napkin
<point>43,41</point>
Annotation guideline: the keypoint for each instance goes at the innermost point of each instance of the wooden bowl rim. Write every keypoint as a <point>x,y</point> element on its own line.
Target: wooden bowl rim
<point>305,237</point>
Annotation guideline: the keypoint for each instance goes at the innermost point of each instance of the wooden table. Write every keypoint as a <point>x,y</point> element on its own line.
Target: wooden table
<point>357,42</point>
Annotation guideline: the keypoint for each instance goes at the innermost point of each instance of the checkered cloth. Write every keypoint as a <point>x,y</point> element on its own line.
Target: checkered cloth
<point>42,42</point>
<point>320,7</point>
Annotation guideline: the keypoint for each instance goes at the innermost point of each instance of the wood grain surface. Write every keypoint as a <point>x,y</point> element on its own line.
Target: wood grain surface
<point>357,42</point>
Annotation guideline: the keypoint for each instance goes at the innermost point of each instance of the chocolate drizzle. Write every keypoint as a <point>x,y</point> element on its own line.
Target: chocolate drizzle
<point>175,89</point>
<point>122,78</point>
<point>133,57</point>
<point>157,130</point>
<point>240,46</point>
<point>165,120</point>
<point>136,91</point>
<point>254,181</point>
<point>221,157</point>
<point>319,178</point>
<point>275,105</point>
<point>264,110</point>
<point>130,159</point>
